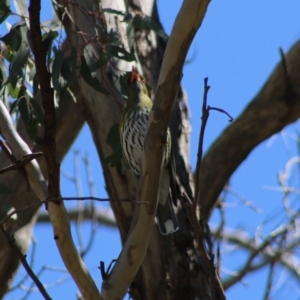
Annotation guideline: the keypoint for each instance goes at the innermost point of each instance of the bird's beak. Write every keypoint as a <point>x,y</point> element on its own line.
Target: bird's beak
<point>134,75</point>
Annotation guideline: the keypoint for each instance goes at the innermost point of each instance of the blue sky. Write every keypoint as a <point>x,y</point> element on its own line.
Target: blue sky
<point>237,47</point>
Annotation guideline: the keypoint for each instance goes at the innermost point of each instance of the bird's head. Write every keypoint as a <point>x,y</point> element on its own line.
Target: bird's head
<point>137,87</point>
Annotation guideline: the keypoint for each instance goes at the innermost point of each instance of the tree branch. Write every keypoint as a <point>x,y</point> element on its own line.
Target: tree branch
<point>101,217</point>
<point>57,211</point>
<point>22,257</point>
<point>276,105</point>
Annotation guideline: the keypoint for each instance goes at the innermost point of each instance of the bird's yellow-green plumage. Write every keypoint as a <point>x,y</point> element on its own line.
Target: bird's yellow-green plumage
<point>133,125</point>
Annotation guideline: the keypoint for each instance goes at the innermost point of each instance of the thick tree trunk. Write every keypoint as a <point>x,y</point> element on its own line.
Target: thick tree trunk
<point>173,267</point>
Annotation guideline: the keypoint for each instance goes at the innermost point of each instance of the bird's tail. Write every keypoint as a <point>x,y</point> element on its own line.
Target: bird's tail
<point>166,217</point>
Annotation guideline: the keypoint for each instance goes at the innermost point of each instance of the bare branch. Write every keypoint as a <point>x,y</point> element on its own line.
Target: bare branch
<point>274,107</point>
<point>269,254</point>
<point>57,211</point>
<point>20,163</point>
<point>270,281</point>
<point>22,257</point>
<point>99,216</point>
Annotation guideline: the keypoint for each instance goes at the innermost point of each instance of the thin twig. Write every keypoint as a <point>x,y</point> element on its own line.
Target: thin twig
<point>32,257</point>
<point>221,111</point>
<point>275,253</point>
<point>31,289</point>
<point>270,281</point>
<point>94,224</point>
<point>12,244</point>
<point>79,203</point>
<point>200,236</point>
<point>19,164</point>
<point>98,216</point>
<point>6,218</point>
<point>204,118</point>
<point>12,158</point>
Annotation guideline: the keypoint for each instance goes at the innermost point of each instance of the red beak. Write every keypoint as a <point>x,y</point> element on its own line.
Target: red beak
<point>134,75</point>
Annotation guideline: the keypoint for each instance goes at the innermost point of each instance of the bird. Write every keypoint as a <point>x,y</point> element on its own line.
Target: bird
<point>132,130</point>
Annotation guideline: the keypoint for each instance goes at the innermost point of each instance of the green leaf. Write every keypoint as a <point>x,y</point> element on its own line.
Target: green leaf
<point>68,69</point>
<point>13,106</point>
<point>23,106</point>
<point>13,92</point>
<point>37,111</point>
<point>113,139</point>
<point>4,10</point>
<point>63,72</point>
<point>57,81</point>
<point>102,59</point>
<point>30,112</point>
<point>113,11</point>
<point>35,85</point>
<point>121,53</point>
<point>3,75</point>
<point>91,81</point>
<point>32,129</point>
<point>113,37</point>
<point>145,22</point>
<point>127,15</point>
<point>18,41</point>
<point>31,73</point>
<point>52,35</point>
<point>13,38</point>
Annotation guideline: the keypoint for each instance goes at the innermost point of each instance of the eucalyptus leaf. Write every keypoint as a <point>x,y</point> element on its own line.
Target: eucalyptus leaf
<point>37,110</point>
<point>113,139</point>
<point>13,91</point>
<point>121,53</point>
<point>147,23</point>
<point>18,41</point>
<point>56,68</point>
<point>102,59</point>
<point>24,107</point>
<point>3,76</point>
<point>4,10</point>
<point>91,81</point>
<point>113,11</point>
<point>13,38</point>
<point>13,106</point>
